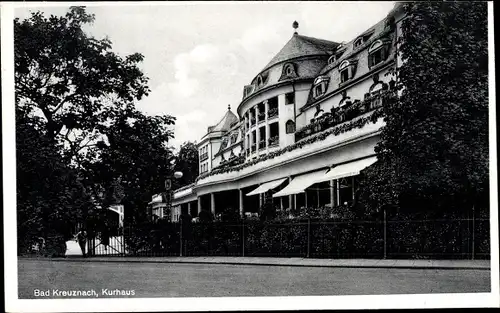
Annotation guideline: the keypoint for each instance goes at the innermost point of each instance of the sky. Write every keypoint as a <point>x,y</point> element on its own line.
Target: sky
<point>198,56</point>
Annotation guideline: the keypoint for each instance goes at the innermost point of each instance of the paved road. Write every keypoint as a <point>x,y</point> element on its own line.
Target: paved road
<point>199,280</point>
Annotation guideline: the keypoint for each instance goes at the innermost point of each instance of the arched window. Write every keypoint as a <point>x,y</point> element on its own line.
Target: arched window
<point>358,42</point>
<point>259,81</point>
<point>289,70</point>
<point>347,70</point>
<point>290,127</point>
<point>378,52</point>
<point>332,59</point>
<point>320,86</point>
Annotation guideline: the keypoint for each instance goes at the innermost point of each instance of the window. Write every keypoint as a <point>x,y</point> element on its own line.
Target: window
<point>289,69</point>
<point>332,59</point>
<point>358,42</point>
<point>375,58</point>
<point>259,81</point>
<point>378,52</point>
<point>344,75</point>
<point>290,98</point>
<point>290,127</point>
<point>320,86</point>
<point>347,70</point>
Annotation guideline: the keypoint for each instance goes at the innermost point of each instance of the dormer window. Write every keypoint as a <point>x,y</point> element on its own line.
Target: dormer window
<point>289,71</point>
<point>332,59</point>
<point>260,81</point>
<point>347,69</point>
<point>378,52</point>
<point>358,42</point>
<point>320,85</point>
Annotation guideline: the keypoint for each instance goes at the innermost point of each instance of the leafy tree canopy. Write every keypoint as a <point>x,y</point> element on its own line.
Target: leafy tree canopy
<point>187,163</point>
<point>434,148</point>
<point>71,79</point>
<point>81,143</point>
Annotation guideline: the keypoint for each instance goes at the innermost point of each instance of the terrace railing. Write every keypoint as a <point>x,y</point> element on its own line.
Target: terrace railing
<point>342,114</point>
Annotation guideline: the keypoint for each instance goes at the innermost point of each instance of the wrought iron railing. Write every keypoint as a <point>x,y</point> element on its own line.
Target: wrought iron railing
<point>204,156</point>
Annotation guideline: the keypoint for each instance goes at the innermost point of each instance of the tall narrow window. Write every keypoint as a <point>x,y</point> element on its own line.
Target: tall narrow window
<point>290,127</point>
<point>344,75</point>
<point>290,98</point>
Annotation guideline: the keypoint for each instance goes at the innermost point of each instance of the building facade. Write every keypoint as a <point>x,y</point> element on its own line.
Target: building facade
<point>306,126</point>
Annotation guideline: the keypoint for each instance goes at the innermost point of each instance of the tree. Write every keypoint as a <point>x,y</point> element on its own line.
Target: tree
<point>434,148</point>
<point>81,144</point>
<point>187,163</point>
<point>135,162</point>
<point>72,79</point>
<point>50,195</point>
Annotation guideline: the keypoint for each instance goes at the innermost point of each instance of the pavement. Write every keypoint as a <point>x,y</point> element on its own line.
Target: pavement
<point>303,262</point>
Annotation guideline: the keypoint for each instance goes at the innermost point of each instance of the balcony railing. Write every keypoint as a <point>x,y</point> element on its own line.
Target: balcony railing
<point>204,156</point>
<point>272,113</point>
<point>262,144</point>
<point>274,141</point>
<point>253,148</point>
<point>343,114</point>
<point>262,117</point>
<point>252,121</point>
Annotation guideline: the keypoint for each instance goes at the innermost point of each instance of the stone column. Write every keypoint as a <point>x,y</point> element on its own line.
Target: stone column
<point>332,194</point>
<point>305,198</point>
<point>281,203</point>
<point>189,208</point>
<point>290,203</point>
<point>199,205</point>
<point>242,209</point>
<point>338,192</point>
<point>266,110</point>
<point>212,203</point>
<point>257,129</point>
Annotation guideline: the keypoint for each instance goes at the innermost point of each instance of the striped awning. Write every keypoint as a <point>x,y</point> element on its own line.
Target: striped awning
<point>300,183</point>
<point>266,186</point>
<point>349,169</point>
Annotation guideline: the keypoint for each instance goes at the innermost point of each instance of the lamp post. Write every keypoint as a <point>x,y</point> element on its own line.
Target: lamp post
<point>169,192</point>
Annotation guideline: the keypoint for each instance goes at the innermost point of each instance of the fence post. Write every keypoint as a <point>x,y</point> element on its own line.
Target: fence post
<point>385,234</point>
<point>308,236</point>
<point>473,233</point>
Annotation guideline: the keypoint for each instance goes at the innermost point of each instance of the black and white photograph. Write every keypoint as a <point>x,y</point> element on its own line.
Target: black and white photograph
<point>213,156</point>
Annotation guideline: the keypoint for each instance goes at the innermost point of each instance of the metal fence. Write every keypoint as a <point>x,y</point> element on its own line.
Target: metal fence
<point>438,239</point>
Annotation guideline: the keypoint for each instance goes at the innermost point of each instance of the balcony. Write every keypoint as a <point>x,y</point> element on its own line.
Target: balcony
<point>344,114</point>
<point>272,113</point>
<point>274,141</point>
<point>204,156</point>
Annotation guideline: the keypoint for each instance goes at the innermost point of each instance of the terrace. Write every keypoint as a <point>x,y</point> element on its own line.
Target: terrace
<point>345,113</point>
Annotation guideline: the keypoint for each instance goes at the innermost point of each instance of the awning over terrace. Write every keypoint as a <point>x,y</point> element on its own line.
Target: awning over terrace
<point>266,186</point>
<point>300,183</point>
<point>349,169</point>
